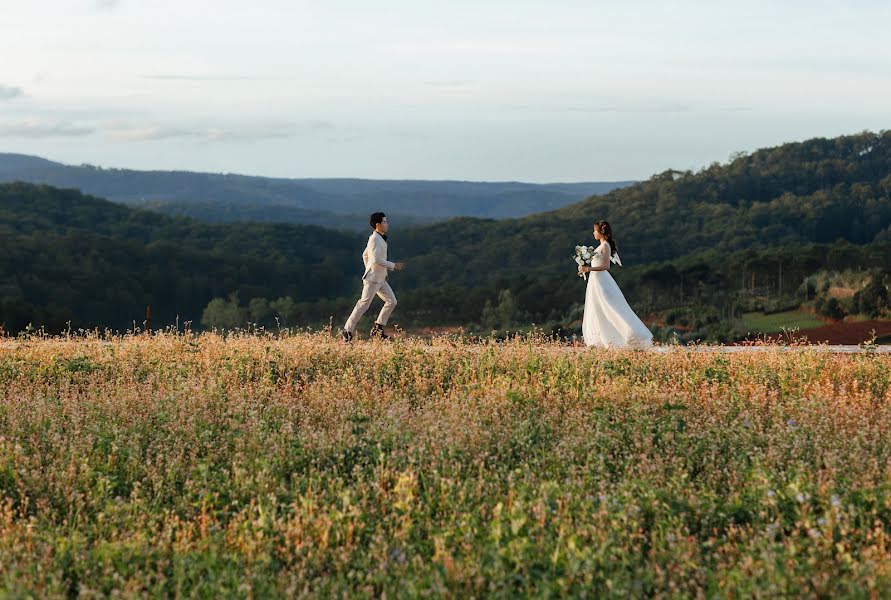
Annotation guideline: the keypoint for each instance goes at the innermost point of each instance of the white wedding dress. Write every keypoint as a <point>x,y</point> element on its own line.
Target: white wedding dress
<point>608,321</point>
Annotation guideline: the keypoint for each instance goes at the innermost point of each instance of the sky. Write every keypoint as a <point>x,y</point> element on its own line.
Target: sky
<point>489,90</point>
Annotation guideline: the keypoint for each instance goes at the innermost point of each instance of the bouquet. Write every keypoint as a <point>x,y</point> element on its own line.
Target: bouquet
<point>583,256</point>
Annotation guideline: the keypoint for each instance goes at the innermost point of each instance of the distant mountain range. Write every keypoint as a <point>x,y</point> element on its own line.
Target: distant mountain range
<point>333,203</point>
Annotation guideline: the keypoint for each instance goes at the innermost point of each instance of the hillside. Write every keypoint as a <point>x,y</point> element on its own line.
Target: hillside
<point>66,256</point>
<point>817,191</point>
<point>705,246</point>
<point>333,203</point>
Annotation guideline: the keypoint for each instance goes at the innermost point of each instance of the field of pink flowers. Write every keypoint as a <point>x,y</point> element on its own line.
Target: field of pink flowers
<point>254,466</point>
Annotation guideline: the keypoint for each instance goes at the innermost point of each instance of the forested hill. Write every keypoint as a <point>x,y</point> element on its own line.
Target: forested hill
<point>66,256</point>
<point>333,203</point>
<point>819,191</point>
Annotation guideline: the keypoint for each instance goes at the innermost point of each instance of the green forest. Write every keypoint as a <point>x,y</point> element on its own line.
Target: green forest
<point>766,231</point>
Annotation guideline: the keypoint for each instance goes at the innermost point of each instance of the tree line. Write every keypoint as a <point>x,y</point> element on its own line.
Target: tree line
<point>725,239</point>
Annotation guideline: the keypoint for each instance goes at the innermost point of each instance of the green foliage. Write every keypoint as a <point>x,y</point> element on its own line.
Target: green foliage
<point>775,322</point>
<point>224,314</point>
<point>817,191</point>
<point>732,238</point>
<point>259,310</point>
<point>68,257</point>
<point>873,300</point>
<point>831,307</point>
<point>502,315</point>
<point>837,294</point>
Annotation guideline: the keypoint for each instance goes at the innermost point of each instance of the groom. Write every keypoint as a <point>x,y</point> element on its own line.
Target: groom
<point>374,281</point>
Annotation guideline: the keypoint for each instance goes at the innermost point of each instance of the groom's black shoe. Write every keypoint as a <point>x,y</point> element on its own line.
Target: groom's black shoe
<point>346,335</point>
<point>377,331</point>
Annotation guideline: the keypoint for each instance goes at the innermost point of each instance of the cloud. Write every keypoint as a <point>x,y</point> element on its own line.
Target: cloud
<point>449,82</point>
<point>474,47</point>
<point>39,129</point>
<point>8,92</point>
<point>106,5</point>
<point>200,77</point>
<point>631,108</point>
<point>140,131</point>
<point>128,132</point>
<point>189,77</point>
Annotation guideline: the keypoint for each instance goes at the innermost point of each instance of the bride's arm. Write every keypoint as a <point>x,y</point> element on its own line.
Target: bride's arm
<point>602,264</point>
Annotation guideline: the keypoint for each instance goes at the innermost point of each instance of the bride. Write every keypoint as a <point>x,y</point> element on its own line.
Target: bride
<point>609,322</point>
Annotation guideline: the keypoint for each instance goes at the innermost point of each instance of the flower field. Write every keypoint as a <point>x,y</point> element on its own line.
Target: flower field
<point>252,466</point>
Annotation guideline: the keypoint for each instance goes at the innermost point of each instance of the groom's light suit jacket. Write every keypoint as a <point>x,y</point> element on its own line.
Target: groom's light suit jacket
<point>375,259</point>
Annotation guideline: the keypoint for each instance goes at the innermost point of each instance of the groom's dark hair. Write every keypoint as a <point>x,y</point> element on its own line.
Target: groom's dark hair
<point>376,218</point>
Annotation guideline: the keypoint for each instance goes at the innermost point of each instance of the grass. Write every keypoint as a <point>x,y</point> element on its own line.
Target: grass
<point>857,318</point>
<point>261,467</point>
<point>757,322</point>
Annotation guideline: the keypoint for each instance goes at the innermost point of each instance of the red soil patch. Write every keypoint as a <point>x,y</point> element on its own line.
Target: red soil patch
<point>845,333</point>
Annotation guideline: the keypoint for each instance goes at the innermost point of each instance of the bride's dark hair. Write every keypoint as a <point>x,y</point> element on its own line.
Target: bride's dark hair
<point>607,231</point>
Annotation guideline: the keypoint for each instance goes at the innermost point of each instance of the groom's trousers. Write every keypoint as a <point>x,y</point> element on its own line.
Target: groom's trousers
<point>369,289</point>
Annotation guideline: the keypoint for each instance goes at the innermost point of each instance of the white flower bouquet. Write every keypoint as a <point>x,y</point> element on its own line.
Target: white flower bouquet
<point>583,256</point>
